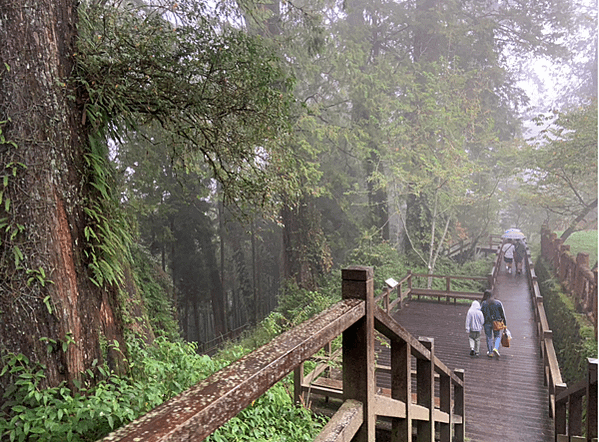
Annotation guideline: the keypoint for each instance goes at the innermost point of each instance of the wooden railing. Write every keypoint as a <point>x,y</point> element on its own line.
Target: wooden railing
<point>406,289</point>
<point>463,246</point>
<point>569,409</point>
<point>197,412</point>
<point>210,347</point>
<point>573,272</point>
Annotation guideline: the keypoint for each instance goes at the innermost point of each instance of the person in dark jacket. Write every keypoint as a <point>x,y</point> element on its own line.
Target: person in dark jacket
<point>493,311</point>
<point>519,255</point>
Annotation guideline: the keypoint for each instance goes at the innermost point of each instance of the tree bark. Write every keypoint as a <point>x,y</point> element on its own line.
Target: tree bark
<point>46,192</point>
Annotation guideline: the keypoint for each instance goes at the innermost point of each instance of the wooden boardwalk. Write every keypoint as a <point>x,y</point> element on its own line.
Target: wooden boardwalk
<point>505,397</point>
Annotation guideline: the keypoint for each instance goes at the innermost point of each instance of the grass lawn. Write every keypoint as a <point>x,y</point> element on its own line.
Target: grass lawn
<point>585,241</point>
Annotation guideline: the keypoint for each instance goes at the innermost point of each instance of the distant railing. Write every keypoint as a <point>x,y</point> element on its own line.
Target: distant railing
<point>210,347</point>
<point>463,246</point>
<point>197,412</point>
<point>552,374</point>
<point>573,272</point>
<point>406,289</point>
<point>569,409</point>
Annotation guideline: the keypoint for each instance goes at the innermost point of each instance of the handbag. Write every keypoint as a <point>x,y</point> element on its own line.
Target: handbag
<point>505,339</point>
<point>498,325</point>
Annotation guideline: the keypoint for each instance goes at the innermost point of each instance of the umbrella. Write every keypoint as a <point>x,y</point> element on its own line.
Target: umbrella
<point>513,234</point>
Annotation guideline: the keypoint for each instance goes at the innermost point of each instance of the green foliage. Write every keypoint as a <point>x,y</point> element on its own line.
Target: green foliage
<point>296,304</point>
<point>157,373</point>
<point>157,293</point>
<point>107,233</point>
<point>384,258</point>
<point>216,92</point>
<point>560,173</point>
<point>273,417</point>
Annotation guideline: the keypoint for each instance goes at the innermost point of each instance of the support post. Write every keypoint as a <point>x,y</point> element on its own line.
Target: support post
<point>445,406</point>
<point>425,384</point>
<point>592,399</point>
<point>559,417</point>
<point>401,388</point>
<point>358,349</point>
<point>459,399</point>
<point>298,380</point>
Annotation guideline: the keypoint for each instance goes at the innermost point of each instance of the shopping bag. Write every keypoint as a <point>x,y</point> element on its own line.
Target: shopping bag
<point>506,337</point>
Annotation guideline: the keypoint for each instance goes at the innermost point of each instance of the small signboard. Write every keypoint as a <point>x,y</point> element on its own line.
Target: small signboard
<point>392,283</point>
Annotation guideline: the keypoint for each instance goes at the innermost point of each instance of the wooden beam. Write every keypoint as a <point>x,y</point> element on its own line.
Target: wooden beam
<point>344,424</point>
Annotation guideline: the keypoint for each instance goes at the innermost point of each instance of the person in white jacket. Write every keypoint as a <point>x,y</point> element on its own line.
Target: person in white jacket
<point>474,325</point>
<point>508,254</point>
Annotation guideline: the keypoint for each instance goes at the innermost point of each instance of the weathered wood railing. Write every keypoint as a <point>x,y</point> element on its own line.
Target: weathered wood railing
<point>559,396</point>
<point>463,246</point>
<point>197,412</point>
<point>406,289</point>
<point>573,272</point>
<point>552,374</point>
<point>569,406</point>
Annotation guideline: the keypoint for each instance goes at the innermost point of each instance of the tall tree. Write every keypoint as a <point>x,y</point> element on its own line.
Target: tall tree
<point>66,83</point>
<point>561,172</point>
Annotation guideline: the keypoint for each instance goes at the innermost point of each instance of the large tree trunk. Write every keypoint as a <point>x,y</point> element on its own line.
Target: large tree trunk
<point>46,194</point>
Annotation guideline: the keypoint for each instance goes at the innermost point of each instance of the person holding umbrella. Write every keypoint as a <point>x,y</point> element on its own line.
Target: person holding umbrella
<point>509,247</point>
<point>508,254</point>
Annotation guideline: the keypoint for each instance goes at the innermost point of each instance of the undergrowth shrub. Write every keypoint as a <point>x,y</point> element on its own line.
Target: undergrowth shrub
<point>158,372</point>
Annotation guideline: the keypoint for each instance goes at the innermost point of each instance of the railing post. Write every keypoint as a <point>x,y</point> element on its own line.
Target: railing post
<point>425,384</point>
<point>459,407</point>
<point>575,415</point>
<point>298,380</point>
<point>559,417</point>
<point>401,388</point>
<point>547,335</point>
<point>387,295</point>
<point>592,399</point>
<point>400,295</point>
<point>358,348</point>
<point>445,406</point>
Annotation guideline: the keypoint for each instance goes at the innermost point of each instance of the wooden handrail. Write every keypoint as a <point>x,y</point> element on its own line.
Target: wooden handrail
<point>197,412</point>
<point>552,375</point>
<point>396,404</point>
<point>569,407</point>
<point>200,410</point>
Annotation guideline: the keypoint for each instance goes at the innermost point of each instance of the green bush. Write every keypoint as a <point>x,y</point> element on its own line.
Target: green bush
<point>158,372</point>
<point>272,417</point>
<point>573,334</point>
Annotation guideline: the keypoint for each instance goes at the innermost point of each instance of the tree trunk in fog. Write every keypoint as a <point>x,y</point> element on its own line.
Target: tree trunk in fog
<point>46,196</point>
